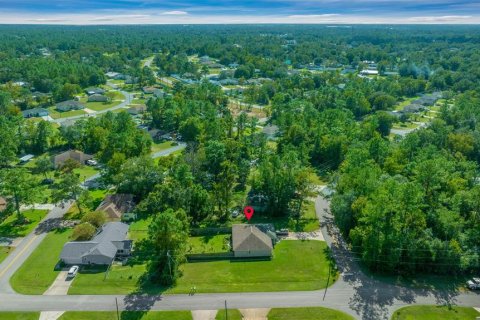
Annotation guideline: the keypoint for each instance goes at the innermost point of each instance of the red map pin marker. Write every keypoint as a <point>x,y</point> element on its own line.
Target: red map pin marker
<point>248,211</point>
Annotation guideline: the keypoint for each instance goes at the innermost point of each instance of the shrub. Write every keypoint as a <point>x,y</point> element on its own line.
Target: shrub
<point>83,232</point>
<point>95,218</point>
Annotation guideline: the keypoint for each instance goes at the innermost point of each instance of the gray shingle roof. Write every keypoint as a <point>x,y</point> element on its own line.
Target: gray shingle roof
<point>249,238</point>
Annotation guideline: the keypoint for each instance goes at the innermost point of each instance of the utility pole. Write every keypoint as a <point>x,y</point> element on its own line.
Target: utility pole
<point>169,264</point>
<point>116,303</point>
<point>226,311</point>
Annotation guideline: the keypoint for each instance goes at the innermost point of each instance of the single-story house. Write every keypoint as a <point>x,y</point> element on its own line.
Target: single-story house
<point>97,97</point>
<point>92,90</point>
<point>413,108</point>
<point>368,72</point>
<point>35,112</point>
<point>250,241</point>
<point>76,155</point>
<point>109,242</point>
<point>3,204</point>
<point>118,206</point>
<point>137,109</point>
<point>111,74</point>
<point>131,80</point>
<point>148,90</point>
<point>70,105</point>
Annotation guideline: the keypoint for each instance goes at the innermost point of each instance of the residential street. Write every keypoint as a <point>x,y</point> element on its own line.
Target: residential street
<point>354,293</point>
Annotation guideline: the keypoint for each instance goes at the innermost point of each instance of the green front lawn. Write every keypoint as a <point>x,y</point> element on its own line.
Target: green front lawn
<point>209,244</point>
<point>57,115</point>
<point>10,228</point>
<point>289,270</point>
<point>139,229</point>
<point>127,315</point>
<point>86,172</point>
<point>156,147</point>
<point>316,313</point>
<point>19,315</point>
<point>233,314</point>
<point>435,313</point>
<point>4,251</point>
<point>37,272</point>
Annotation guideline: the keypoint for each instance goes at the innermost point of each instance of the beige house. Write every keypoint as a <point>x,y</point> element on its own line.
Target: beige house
<point>250,241</point>
<point>118,206</point>
<point>79,156</point>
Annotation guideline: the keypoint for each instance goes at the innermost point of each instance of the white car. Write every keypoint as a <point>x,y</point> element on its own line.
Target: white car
<point>474,284</point>
<point>92,163</point>
<point>72,272</point>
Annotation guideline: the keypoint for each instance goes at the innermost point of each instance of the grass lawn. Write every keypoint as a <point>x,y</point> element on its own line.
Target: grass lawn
<point>4,251</point>
<point>307,223</point>
<point>86,172</point>
<point>127,315</point>
<point>10,228</point>
<point>56,114</point>
<point>97,197</point>
<point>209,244</point>
<point>405,103</point>
<point>19,315</point>
<point>317,313</point>
<point>405,125</point>
<point>289,270</point>
<point>156,147</point>
<point>139,229</point>
<point>37,272</point>
<point>435,313</point>
<point>233,314</point>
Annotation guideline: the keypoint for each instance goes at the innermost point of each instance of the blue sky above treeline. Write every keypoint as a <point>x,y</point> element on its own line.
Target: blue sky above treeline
<point>229,11</point>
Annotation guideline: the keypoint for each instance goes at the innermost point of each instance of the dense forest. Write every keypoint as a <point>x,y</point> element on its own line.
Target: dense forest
<point>406,203</point>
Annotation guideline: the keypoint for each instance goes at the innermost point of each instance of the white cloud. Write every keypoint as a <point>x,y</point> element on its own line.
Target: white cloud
<point>175,13</point>
<point>121,17</point>
<point>439,19</point>
<point>313,16</point>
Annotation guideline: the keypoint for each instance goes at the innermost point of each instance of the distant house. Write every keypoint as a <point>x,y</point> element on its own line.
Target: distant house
<point>111,74</point>
<point>70,105</point>
<point>413,108</point>
<point>137,109</point>
<point>35,112</point>
<point>3,204</point>
<point>368,72</point>
<point>158,93</point>
<point>250,241</point>
<point>148,90</point>
<point>93,90</point>
<point>26,158</point>
<point>109,242</point>
<point>96,97</point>
<point>118,206</point>
<point>79,156</point>
<point>131,80</point>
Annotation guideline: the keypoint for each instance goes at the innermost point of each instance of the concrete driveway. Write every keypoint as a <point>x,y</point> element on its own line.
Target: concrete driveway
<point>60,286</point>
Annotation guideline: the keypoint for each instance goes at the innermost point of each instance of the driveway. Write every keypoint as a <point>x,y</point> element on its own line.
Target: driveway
<point>60,286</point>
<point>314,235</point>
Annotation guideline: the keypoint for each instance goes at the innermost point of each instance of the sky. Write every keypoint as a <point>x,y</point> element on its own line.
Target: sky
<point>231,11</point>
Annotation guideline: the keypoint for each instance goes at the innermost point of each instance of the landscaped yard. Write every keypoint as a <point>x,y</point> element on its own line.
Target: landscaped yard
<point>86,172</point>
<point>435,313</point>
<point>289,270</point>
<point>10,228</point>
<point>127,315</point>
<point>37,272</point>
<point>56,114</point>
<point>317,313</point>
<point>156,147</point>
<point>19,315</point>
<point>209,244</point>
<point>4,251</point>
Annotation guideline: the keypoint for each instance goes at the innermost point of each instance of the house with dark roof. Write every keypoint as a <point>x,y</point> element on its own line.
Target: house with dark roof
<point>249,241</point>
<point>35,112</point>
<point>70,105</point>
<point>97,97</point>
<point>118,206</point>
<point>79,156</point>
<point>109,242</point>
<point>93,90</point>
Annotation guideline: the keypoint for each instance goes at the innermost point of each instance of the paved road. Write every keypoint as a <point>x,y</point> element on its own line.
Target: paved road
<point>166,152</point>
<point>128,98</point>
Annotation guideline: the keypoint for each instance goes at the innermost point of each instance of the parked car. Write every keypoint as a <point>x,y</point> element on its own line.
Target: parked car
<point>235,212</point>
<point>282,232</point>
<point>474,284</point>
<point>72,272</point>
<point>92,162</point>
